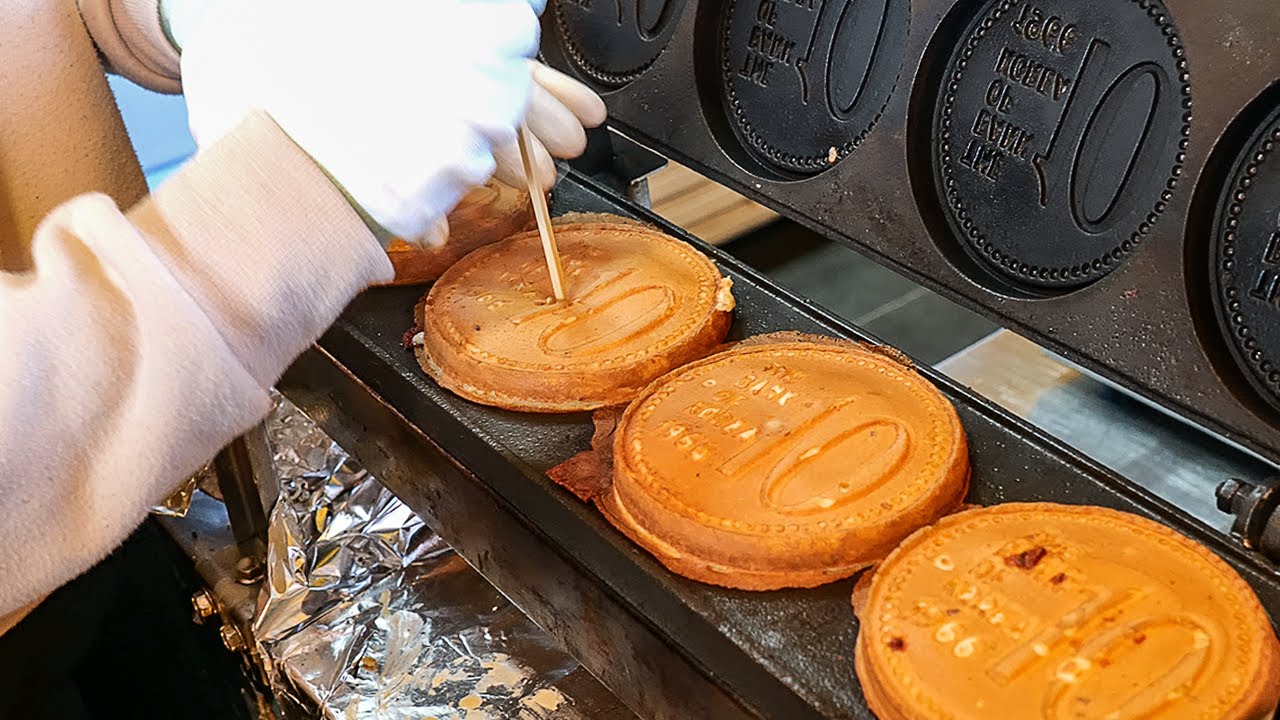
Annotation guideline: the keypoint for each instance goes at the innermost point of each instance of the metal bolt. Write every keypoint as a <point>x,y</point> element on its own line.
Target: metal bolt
<point>203,605</point>
<point>1227,493</point>
<point>231,638</point>
<point>249,570</point>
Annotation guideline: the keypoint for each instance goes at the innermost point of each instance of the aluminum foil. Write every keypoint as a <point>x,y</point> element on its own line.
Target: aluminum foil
<point>366,613</point>
<point>179,502</point>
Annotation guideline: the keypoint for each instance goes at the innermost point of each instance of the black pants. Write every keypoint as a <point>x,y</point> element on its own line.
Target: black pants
<point>119,642</point>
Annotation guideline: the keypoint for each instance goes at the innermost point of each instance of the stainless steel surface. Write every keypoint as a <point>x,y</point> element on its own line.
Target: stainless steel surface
<point>1174,460</point>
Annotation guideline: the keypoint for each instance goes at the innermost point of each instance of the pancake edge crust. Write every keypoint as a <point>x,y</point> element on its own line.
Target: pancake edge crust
<point>484,216</point>
<point>950,489</point>
<point>1258,701</point>
<point>579,392</point>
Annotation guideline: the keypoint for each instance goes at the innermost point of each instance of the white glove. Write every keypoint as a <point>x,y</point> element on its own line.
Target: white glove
<point>400,101</point>
<point>559,110</point>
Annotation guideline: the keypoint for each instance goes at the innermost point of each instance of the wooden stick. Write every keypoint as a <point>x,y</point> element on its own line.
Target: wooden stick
<point>543,215</point>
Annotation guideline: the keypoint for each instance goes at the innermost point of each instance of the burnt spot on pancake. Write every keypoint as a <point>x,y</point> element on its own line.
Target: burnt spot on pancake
<point>1026,559</point>
<point>1058,579</point>
<point>897,644</point>
<point>1139,638</point>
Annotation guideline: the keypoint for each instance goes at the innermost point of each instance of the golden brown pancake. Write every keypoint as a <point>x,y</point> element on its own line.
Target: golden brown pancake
<point>640,303</point>
<point>1053,611</point>
<point>788,464</point>
<point>485,215</point>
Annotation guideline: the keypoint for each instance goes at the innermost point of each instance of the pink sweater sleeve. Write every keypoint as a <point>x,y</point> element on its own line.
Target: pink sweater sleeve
<point>144,341</point>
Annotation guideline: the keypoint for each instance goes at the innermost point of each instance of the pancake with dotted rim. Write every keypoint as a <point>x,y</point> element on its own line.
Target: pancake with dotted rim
<point>787,464</point>
<point>640,303</point>
<point>1055,611</point>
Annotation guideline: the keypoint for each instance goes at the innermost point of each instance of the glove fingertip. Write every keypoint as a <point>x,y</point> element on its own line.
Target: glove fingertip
<point>547,175</point>
<point>594,112</point>
<point>581,100</point>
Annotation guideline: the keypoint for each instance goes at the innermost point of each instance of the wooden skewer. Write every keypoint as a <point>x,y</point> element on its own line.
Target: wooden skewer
<point>543,215</point>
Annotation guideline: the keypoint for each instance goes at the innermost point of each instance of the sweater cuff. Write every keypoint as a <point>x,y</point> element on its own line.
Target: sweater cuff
<point>264,242</point>
<point>131,38</point>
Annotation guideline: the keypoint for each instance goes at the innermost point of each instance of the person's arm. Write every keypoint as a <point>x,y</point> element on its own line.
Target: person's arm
<point>138,38</point>
<point>143,40</point>
<point>143,341</point>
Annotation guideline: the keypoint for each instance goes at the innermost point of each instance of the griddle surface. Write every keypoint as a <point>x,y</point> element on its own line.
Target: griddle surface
<point>785,653</point>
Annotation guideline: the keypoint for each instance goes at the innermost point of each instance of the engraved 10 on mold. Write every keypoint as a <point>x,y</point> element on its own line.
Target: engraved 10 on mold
<point>804,81</point>
<point>1059,134</point>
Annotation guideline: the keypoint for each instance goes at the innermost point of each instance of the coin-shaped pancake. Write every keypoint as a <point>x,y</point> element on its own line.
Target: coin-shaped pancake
<point>487,214</point>
<point>787,464</point>
<point>1055,611</point>
<point>640,303</point>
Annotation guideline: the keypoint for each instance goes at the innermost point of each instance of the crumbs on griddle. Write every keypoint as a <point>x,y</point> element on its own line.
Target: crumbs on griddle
<point>406,340</point>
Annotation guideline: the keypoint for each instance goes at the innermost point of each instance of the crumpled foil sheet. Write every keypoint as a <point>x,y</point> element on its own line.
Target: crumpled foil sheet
<point>366,613</point>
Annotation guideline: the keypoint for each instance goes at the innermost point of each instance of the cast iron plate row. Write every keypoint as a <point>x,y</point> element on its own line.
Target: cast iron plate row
<point>1057,131</point>
<point>1059,134</point>
<point>784,654</point>
<point>803,81</point>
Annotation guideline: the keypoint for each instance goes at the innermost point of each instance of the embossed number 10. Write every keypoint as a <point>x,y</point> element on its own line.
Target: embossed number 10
<point>1109,117</point>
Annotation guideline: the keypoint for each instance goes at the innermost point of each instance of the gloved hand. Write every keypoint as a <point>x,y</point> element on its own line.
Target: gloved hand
<point>402,102</point>
<point>559,110</point>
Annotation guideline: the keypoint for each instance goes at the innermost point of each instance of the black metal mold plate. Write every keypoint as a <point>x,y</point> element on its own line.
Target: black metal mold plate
<point>614,42</point>
<point>783,654</point>
<point>1058,135</point>
<point>1137,325</point>
<point>831,65</point>
<point>1246,259</point>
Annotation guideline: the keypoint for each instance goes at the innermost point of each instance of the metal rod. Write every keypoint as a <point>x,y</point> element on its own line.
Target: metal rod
<point>238,468</point>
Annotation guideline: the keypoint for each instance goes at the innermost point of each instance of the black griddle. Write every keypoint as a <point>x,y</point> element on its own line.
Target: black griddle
<point>1056,165</point>
<point>669,647</point>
